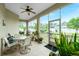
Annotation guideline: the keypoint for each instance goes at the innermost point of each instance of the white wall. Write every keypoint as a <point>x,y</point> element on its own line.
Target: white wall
<point>1,18</point>
<point>11,21</point>
<point>1,27</point>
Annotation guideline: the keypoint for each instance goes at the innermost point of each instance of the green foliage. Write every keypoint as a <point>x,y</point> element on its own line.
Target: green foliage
<point>34,26</point>
<point>44,28</point>
<point>73,23</point>
<point>22,27</point>
<point>67,48</point>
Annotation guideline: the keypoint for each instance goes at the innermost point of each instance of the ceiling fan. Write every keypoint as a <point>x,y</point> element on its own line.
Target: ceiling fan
<point>28,9</point>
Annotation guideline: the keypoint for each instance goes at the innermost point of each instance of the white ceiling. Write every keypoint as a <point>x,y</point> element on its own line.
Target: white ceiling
<point>38,8</point>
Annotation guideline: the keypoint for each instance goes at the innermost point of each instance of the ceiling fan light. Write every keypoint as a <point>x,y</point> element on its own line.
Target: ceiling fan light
<point>29,14</point>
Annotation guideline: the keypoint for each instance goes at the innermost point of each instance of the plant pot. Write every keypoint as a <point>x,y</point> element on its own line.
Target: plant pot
<point>54,53</point>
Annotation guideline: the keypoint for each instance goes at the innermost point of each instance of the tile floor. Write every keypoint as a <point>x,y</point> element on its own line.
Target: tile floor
<point>36,50</point>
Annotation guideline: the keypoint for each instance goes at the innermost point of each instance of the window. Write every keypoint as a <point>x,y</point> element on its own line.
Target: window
<point>44,28</point>
<point>32,26</point>
<point>22,27</point>
<point>70,20</point>
<point>44,24</point>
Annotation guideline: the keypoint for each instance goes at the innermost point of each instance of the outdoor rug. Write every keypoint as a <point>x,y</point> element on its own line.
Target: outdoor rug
<point>51,47</point>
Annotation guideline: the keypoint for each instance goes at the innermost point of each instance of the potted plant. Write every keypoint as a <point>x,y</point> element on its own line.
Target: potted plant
<point>37,37</point>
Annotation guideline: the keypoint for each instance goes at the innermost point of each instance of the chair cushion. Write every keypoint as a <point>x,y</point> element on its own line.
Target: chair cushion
<point>10,40</point>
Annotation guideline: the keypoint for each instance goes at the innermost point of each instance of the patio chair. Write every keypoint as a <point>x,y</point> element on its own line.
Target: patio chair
<point>25,45</point>
<point>8,45</point>
<point>36,37</point>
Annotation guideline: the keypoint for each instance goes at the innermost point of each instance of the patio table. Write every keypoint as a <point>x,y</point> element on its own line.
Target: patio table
<point>21,42</point>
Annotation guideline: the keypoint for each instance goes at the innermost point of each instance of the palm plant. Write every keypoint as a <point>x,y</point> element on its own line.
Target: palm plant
<point>67,48</point>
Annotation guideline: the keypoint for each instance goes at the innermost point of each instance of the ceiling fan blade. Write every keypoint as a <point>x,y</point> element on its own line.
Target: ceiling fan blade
<point>33,12</point>
<point>23,11</point>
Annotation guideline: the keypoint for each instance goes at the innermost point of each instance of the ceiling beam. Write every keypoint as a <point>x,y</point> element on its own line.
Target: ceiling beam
<point>23,20</point>
<point>50,9</point>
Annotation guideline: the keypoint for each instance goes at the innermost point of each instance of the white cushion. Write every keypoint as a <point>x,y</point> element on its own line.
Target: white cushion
<point>7,42</point>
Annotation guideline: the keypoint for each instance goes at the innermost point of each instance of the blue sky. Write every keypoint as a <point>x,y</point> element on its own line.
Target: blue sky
<point>67,12</point>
